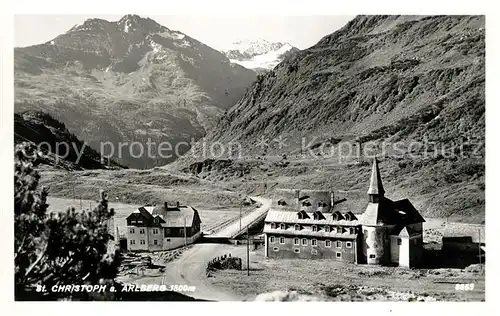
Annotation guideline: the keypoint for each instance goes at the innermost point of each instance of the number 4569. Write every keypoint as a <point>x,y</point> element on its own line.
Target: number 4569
<point>464,286</point>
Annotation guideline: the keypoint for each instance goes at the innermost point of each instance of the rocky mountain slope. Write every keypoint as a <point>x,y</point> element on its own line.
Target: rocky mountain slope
<point>409,89</point>
<point>128,81</point>
<point>260,55</point>
<point>58,147</point>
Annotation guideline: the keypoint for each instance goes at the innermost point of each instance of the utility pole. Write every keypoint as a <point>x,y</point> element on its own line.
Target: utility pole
<point>479,247</point>
<point>248,251</point>
<point>240,213</point>
<point>185,233</point>
<point>81,204</point>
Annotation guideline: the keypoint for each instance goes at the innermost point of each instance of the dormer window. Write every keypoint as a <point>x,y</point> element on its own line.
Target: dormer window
<point>340,230</point>
<point>352,230</point>
<point>315,228</point>
<point>297,227</point>
<point>273,225</point>
<point>282,226</point>
<point>349,216</point>
<point>318,215</point>
<point>281,202</point>
<point>327,229</point>
<point>302,215</point>
<point>306,203</point>
<point>337,216</point>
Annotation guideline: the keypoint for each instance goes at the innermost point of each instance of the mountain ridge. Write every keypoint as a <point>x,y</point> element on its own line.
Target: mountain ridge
<point>409,89</point>
<point>126,81</point>
<point>58,148</point>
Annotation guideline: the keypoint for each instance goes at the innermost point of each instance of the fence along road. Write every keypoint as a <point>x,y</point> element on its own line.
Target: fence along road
<point>249,218</point>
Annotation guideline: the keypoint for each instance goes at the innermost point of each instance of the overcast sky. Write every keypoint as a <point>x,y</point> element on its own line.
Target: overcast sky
<point>217,32</point>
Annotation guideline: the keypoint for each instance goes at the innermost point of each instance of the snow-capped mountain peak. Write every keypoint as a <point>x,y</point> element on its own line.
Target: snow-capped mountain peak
<point>258,54</point>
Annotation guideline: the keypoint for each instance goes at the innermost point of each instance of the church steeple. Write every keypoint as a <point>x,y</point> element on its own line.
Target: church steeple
<point>376,190</point>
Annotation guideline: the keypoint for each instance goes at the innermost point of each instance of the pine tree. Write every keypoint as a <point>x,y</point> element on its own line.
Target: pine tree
<point>55,248</point>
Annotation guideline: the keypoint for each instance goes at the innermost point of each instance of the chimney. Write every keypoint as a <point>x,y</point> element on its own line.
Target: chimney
<point>297,194</point>
<point>178,204</point>
<point>166,206</point>
<point>332,199</point>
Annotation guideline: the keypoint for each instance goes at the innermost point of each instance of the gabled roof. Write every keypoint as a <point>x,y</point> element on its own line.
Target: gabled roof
<point>407,232</point>
<point>143,211</point>
<point>159,219</point>
<point>174,216</point>
<point>388,212</point>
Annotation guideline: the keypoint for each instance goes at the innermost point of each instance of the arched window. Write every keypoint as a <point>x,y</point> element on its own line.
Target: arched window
<point>297,227</point>
<point>273,225</point>
<point>282,226</point>
<point>315,228</point>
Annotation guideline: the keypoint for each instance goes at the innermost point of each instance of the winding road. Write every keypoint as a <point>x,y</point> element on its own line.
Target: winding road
<point>189,268</point>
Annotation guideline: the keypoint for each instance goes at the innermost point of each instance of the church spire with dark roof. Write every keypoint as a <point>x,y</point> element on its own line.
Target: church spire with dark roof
<point>376,190</point>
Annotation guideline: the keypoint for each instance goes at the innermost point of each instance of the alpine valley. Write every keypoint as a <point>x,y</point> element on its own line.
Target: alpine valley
<point>414,81</point>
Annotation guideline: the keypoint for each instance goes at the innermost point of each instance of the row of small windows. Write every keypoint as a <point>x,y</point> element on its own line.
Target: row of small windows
<point>315,228</point>
<point>314,242</point>
<point>143,242</point>
<point>314,252</point>
<point>143,231</point>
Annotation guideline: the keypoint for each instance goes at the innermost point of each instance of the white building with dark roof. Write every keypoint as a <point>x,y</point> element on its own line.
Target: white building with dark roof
<point>387,232</point>
<point>162,227</point>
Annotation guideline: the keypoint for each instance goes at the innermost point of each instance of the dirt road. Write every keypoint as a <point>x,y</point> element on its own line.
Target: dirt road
<point>189,268</point>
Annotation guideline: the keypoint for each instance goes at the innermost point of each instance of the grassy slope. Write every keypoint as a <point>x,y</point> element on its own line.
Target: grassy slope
<point>379,80</point>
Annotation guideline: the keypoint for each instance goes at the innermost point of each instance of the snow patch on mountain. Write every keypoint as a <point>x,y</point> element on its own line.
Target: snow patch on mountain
<point>125,28</point>
<point>178,35</point>
<point>155,46</point>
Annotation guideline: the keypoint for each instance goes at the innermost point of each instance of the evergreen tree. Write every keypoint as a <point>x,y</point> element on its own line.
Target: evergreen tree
<point>56,248</point>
